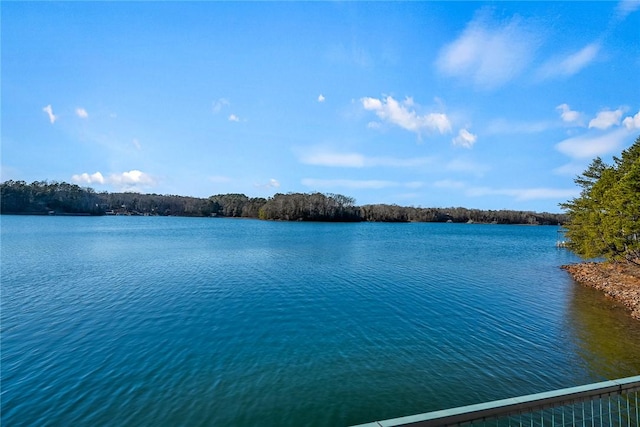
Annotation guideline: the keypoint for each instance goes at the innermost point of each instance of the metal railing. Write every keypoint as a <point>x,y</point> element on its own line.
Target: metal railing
<point>608,403</point>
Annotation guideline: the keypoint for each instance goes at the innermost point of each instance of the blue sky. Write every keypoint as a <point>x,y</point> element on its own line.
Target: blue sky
<point>434,104</point>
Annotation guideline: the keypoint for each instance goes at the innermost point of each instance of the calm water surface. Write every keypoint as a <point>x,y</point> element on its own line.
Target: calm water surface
<point>131,321</point>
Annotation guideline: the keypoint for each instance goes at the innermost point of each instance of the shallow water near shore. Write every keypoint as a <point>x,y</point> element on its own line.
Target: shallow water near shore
<point>158,321</point>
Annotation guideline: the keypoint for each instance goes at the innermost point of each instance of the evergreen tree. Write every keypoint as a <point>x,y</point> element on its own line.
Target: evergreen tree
<point>604,221</point>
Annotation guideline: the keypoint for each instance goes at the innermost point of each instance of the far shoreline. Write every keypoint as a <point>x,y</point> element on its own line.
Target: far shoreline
<point>619,281</point>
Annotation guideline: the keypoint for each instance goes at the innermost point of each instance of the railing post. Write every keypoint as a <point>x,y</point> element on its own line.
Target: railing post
<point>530,404</point>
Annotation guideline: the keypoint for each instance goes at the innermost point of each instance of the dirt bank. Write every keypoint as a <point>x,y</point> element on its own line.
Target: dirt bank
<point>620,281</point>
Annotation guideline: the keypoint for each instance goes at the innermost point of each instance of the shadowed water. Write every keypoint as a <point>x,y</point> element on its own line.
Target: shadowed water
<point>183,321</point>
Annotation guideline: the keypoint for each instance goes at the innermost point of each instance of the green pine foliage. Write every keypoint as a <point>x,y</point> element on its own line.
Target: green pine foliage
<point>604,221</point>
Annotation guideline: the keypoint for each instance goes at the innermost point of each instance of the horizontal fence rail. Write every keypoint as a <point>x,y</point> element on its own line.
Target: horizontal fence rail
<point>607,403</point>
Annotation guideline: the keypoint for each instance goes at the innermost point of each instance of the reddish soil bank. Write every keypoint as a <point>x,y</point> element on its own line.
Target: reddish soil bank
<point>620,281</point>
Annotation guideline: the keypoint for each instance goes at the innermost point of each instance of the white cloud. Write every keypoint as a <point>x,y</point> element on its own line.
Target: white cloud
<point>465,139</point>
<point>234,118</point>
<point>626,7</point>
<point>567,114</point>
<point>85,178</point>
<point>132,180</point>
<point>488,54</point>
<point>632,122</point>
<point>321,98</point>
<point>402,115</point>
<point>219,104</point>
<point>82,113</point>
<point>588,147</point>
<point>49,111</point>
<point>136,143</point>
<point>273,183</point>
<point>605,119</point>
<point>371,104</point>
<point>570,64</point>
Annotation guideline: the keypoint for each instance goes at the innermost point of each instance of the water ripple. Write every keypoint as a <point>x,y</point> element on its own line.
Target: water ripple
<point>177,321</point>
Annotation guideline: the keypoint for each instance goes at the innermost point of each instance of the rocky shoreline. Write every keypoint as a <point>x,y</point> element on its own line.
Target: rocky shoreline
<point>620,281</point>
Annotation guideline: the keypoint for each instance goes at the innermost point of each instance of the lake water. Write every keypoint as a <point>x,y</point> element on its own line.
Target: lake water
<point>155,321</point>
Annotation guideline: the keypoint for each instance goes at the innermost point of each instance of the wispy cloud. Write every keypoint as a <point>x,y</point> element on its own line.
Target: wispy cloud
<point>224,104</point>
<point>332,159</point>
<point>219,104</point>
<point>590,146</point>
<point>465,139</point>
<point>321,98</point>
<point>412,162</point>
<point>82,113</point>
<point>326,184</point>
<point>49,110</point>
<point>322,157</point>
<point>503,126</point>
<point>519,194</point>
<point>489,54</point>
<point>605,119</point>
<point>467,166</point>
<point>347,183</point>
<point>569,64</point>
<point>404,115</point>
<point>374,125</point>
<point>449,184</point>
<point>626,7</point>
<point>570,169</point>
<point>523,194</point>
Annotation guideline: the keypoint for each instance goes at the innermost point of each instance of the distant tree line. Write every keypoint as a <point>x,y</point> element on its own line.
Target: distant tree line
<point>604,221</point>
<point>395,213</point>
<point>310,207</point>
<point>42,197</point>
